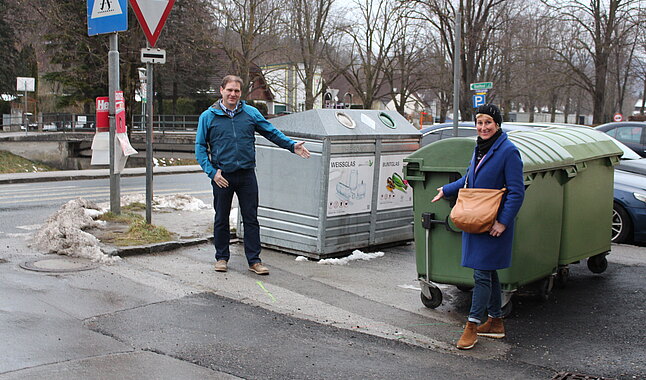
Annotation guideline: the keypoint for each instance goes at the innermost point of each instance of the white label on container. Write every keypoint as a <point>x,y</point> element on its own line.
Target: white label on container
<point>350,185</point>
<point>393,191</point>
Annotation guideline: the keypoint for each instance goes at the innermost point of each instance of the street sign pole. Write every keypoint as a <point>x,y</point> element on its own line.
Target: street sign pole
<point>113,86</point>
<point>149,141</point>
<point>152,15</point>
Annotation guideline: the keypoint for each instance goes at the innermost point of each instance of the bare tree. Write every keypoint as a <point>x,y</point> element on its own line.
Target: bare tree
<point>309,24</point>
<point>406,65</point>
<point>599,24</point>
<point>248,29</point>
<point>479,21</point>
<point>371,40</point>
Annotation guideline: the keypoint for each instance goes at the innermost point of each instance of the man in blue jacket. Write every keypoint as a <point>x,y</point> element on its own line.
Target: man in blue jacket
<point>225,149</point>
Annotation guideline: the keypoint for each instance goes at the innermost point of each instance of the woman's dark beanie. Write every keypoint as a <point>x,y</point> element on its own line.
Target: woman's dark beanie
<point>491,110</point>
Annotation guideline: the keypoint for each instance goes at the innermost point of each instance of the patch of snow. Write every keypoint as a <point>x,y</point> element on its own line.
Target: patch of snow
<point>356,255</point>
<point>302,258</point>
<point>181,202</point>
<point>63,232</point>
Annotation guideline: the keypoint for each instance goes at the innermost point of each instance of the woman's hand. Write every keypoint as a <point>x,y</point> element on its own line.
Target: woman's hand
<point>440,195</point>
<point>497,229</point>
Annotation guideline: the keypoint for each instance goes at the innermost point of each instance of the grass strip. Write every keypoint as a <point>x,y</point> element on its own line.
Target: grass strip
<point>10,163</point>
<point>139,232</point>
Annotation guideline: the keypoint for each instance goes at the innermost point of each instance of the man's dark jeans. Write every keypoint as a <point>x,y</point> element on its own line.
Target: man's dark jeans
<point>244,184</point>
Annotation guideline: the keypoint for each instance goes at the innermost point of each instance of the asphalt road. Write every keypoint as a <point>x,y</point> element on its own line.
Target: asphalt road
<point>169,316</point>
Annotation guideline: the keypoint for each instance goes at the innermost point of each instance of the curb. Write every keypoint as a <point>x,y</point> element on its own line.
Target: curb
<point>161,247</point>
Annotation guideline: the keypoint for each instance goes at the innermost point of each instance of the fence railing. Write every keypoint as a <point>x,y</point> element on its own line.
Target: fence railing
<point>163,123</point>
<point>86,122</point>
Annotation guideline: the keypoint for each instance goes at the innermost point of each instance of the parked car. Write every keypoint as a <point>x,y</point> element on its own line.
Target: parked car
<point>631,133</point>
<point>442,131</point>
<point>629,208</point>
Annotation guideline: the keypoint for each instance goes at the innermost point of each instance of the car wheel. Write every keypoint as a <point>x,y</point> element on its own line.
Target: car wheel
<point>621,224</point>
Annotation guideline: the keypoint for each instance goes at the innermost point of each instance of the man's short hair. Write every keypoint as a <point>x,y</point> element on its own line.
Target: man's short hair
<point>231,78</point>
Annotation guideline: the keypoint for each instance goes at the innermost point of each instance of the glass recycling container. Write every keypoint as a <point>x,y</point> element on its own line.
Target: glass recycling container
<point>350,194</point>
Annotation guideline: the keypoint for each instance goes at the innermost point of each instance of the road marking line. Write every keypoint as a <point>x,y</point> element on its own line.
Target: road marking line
<point>273,299</point>
<point>104,195</point>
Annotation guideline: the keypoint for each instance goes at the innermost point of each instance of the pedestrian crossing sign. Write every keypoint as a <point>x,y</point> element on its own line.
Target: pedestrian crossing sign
<point>106,16</point>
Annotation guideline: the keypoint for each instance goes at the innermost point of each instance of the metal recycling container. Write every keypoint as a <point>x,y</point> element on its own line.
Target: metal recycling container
<point>588,197</point>
<point>547,166</point>
<point>350,194</point>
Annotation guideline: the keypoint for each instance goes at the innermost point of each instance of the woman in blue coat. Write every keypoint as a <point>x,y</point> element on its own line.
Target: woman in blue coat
<point>496,164</point>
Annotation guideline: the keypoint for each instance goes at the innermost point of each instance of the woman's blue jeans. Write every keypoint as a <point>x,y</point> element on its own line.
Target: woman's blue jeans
<point>486,297</point>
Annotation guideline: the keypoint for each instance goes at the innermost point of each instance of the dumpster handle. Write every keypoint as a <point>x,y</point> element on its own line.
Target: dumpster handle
<point>428,220</point>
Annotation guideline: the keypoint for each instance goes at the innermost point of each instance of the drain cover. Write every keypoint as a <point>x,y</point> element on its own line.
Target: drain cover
<point>59,265</point>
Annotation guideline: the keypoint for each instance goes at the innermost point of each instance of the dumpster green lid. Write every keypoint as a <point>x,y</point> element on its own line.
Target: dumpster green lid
<point>539,154</point>
<point>449,155</point>
<point>345,123</point>
<point>454,154</point>
<point>583,143</point>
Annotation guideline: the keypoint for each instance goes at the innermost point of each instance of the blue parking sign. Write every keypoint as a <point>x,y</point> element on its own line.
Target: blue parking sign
<point>478,100</point>
<point>106,16</point>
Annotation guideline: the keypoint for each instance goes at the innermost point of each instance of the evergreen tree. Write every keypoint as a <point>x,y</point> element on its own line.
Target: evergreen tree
<point>8,63</point>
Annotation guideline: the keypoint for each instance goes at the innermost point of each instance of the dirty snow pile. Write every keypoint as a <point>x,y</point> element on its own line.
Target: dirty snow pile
<point>63,232</point>
<point>175,201</point>
<point>356,255</point>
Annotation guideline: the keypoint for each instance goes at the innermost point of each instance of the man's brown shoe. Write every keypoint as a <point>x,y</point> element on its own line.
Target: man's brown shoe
<point>493,328</point>
<point>469,337</point>
<point>258,268</point>
<point>221,266</point>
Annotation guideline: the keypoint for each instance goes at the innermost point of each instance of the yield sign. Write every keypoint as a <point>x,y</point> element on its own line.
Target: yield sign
<point>152,15</point>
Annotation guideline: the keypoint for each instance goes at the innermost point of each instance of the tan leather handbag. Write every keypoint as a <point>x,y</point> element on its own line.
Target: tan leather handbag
<point>476,209</point>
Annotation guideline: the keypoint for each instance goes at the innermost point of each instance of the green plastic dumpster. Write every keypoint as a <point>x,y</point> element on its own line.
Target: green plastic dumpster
<point>535,252</point>
<point>588,196</point>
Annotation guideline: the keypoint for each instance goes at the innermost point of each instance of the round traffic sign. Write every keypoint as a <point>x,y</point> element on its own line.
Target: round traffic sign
<point>617,117</point>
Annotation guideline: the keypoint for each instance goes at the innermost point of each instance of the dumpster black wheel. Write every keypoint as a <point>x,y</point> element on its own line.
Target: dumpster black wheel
<point>598,263</point>
<point>545,287</point>
<point>464,288</point>
<point>506,309</point>
<point>562,276</point>
<point>434,301</point>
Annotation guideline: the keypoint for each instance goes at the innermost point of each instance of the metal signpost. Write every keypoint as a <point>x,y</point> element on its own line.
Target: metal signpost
<point>152,15</point>
<point>105,16</point>
<point>481,89</point>
<point>25,84</point>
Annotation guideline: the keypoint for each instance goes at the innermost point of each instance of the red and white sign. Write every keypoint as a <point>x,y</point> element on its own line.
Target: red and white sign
<point>103,114</point>
<point>152,15</point>
<point>617,117</point>
<point>120,112</point>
